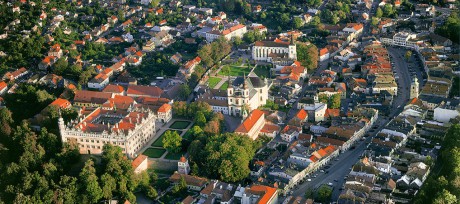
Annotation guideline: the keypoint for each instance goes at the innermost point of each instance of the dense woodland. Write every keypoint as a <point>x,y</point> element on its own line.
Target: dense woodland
<point>443,184</point>
<point>49,171</point>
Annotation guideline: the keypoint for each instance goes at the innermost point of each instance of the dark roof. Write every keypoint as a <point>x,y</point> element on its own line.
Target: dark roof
<point>270,44</point>
<point>257,82</point>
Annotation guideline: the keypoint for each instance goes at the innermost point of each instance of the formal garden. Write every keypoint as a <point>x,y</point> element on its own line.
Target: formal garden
<point>154,152</point>
<point>179,125</point>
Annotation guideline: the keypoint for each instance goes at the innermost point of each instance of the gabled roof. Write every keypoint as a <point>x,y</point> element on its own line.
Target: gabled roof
<point>139,90</point>
<point>164,108</point>
<point>138,161</point>
<point>61,103</point>
<point>113,88</point>
<point>250,121</point>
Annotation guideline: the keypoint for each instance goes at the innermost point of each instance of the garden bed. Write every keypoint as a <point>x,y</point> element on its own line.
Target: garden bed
<point>154,152</point>
<point>180,125</point>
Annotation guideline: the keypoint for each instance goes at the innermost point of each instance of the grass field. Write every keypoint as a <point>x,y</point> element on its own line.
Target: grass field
<point>174,156</point>
<point>213,81</point>
<point>224,86</point>
<point>159,141</point>
<point>234,70</point>
<point>262,71</point>
<point>179,125</point>
<point>154,152</point>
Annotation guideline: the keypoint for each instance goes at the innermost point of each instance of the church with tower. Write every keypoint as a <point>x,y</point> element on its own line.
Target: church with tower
<point>244,94</point>
<point>277,51</point>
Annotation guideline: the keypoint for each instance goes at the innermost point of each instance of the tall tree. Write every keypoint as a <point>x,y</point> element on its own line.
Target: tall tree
<point>172,141</point>
<point>91,192</point>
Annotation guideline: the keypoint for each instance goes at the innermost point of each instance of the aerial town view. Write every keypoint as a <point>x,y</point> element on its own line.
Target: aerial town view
<point>230,101</point>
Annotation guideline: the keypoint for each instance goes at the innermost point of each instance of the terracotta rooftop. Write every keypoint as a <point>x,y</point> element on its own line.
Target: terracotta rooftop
<point>250,121</point>
<point>138,161</point>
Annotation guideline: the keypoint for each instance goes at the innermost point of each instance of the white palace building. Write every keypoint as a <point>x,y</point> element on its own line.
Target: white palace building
<point>128,129</point>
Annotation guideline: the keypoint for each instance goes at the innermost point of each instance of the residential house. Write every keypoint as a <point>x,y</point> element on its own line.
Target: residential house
<point>290,133</point>
<point>11,76</point>
<point>194,183</point>
<point>140,164</point>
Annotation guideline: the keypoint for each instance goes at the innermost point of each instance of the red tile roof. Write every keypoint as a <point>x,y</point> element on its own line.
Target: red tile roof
<point>61,103</point>
<point>3,85</point>
<point>164,108</point>
<point>113,88</point>
<point>138,161</point>
<point>267,193</point>
<point>323,51</point>
<point>250,121</point>
<point>302,114</point>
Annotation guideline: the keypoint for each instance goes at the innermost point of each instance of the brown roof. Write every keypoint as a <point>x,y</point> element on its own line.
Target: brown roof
<point>326,140</point>
<point>95,97</point>
<point>112,88</point>
<point>138,90</point>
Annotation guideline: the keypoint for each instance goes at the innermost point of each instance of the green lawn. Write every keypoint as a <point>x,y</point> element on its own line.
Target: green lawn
<point>262,71</point>
<point>234,70</point>
<point>179,125</point>
<point>174,156</point>
<point>154,152</point>
<point>224,86</point>
<point>159,141</point>
<point>213,81</point>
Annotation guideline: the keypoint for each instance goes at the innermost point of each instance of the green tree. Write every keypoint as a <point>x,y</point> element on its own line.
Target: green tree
<point>309,193</point>
<point>60,67</point>
<point>109,185</point>
<point>324,193</point>
<point>297,23</point>
<point>335,101</point>
<point>316,21</point>
<point>195,170</point>
<point>172,141</point>
<point>284,19</point>
<point>408,55</point>
<point>445,197</point>
<point>67,192</point>
<point>200,119</point>
<point>151,192</point>
<point>379,13</point>
<point>374,21</point>
<point>91,191</point>
<point>184,91</point>
<point>323,98</point>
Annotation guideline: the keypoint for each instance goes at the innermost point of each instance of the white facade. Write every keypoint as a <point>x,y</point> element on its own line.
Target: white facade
<point>89,142</point>
<point>262,49</point>
<point>98,83</point>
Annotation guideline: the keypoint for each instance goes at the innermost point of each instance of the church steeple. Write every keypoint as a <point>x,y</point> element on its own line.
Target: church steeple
<point>292,39</point>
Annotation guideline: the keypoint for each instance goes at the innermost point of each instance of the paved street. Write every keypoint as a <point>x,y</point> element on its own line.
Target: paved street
<point>340,167</point>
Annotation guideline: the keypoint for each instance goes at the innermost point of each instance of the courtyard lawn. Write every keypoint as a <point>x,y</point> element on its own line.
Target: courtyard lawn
<point>154,152</point>
<point>234,70</point>
<point>213,81</point>
<point>224,86</point>
<point>174,156</point>
<point>179,125</point>
<point>262,71</point>
<point>159,141</point>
